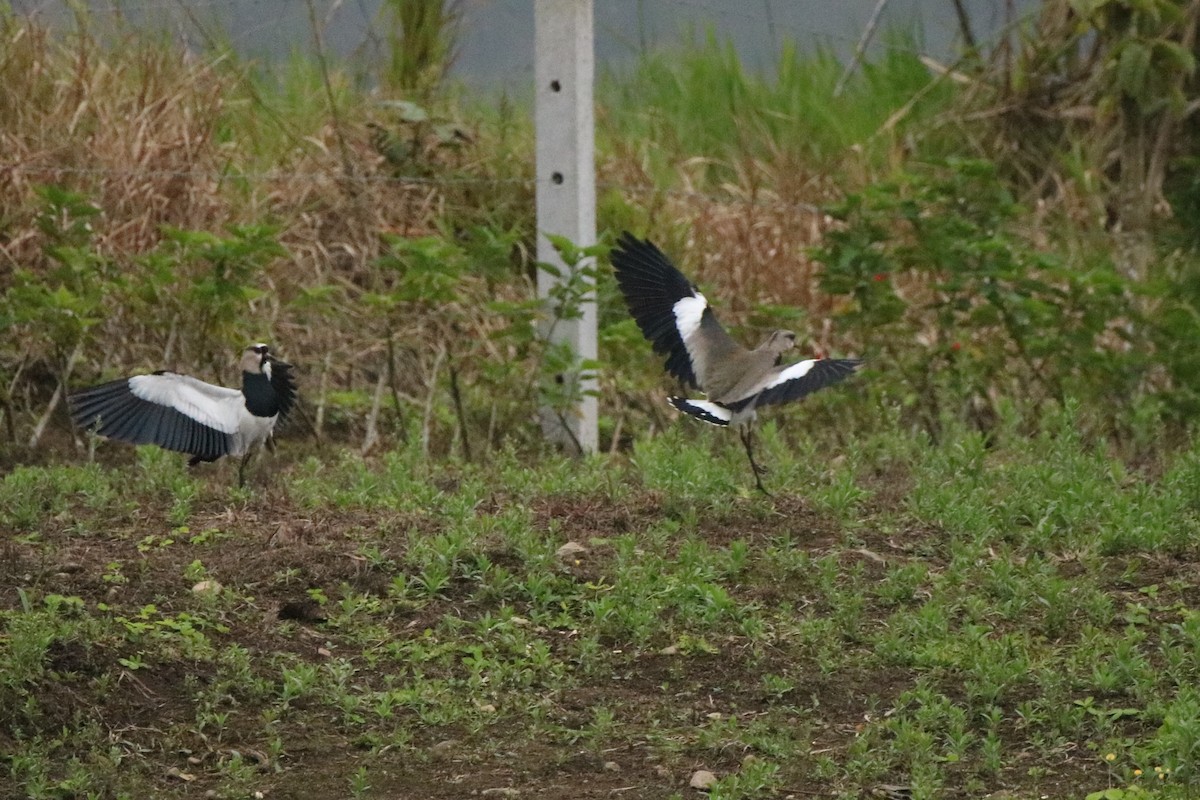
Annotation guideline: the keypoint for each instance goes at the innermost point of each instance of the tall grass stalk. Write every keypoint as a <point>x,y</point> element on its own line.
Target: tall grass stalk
<point>421,36</point>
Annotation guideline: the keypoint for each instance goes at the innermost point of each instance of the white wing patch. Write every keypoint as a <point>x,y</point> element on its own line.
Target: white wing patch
<point>688,313</point>
<point>797,370</point>
<point>212,406</point>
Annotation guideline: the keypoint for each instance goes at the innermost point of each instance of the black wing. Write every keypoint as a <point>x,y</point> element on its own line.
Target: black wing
<point>113,410</point>
<point>805,377</point>
<point>284,384</point>
<point>652,286</point>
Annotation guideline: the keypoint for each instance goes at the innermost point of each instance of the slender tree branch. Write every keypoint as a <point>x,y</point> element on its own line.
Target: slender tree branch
<point>861,48</point>
<point>456,395</point>
<point>323,62</point>
<point>964,26</point>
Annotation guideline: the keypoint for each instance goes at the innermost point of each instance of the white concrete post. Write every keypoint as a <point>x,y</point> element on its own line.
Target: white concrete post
<point>566,189</point>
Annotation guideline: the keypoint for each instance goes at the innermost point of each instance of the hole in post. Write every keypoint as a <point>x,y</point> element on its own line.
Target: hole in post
<point>557,178</point>
<point>555,86</point>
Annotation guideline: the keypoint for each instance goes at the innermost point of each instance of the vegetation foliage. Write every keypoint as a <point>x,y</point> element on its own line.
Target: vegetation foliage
<point>988,584</point>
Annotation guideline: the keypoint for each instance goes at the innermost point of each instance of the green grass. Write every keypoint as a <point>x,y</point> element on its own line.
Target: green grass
<point>703,103</point>
<point>961,619</point>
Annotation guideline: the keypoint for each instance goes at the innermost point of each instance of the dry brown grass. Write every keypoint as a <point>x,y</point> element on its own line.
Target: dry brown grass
<point>143,130</point>
<point>132,128</point>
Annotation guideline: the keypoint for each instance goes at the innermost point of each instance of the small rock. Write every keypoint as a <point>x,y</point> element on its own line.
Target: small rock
<point>442,749</point>
<point>500,791</point>
<point>570,550</point>
<point>612,766</point>
<point>206,587</point>
<point>702,779</point>
<point>871,554</point>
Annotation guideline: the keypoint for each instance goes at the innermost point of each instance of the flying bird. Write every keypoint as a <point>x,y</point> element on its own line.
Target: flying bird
<point>675,317</point>
<point>185,414</point>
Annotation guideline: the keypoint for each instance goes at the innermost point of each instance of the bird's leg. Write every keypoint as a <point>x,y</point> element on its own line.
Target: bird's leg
<point>747,435</point>
<point>242,467</point>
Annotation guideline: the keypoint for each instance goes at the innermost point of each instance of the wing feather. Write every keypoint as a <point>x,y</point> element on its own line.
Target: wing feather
<point>668,309</point>
<point>709,412</point>
<point>175,412</point>
<point>794,381</point>
<point>283,381</point>
<point>203,402</point>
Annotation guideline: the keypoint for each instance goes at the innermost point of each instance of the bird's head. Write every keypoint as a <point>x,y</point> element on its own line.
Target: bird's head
<point>256,359</point>
<point>781,341</point>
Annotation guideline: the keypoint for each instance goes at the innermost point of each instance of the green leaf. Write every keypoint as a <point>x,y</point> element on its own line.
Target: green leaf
<point>407,110</point>
<point>1132,68</point>
<point>1174,56</point>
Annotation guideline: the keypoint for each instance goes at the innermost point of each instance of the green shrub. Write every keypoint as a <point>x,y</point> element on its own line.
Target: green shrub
<point>955,306</point>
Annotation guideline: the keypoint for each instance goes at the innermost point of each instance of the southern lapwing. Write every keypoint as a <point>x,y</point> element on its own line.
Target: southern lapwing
<point>676,319</point>
<point>185,414</point>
